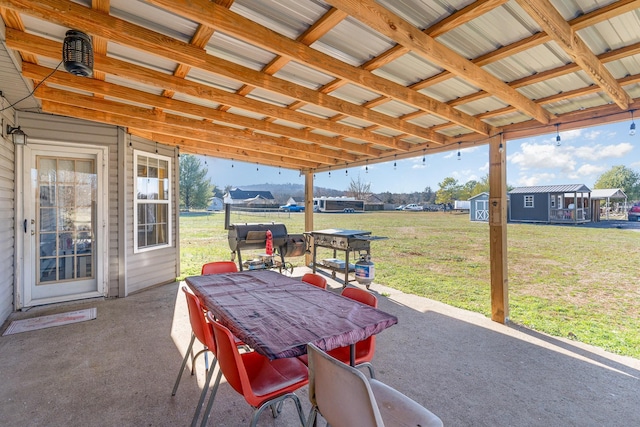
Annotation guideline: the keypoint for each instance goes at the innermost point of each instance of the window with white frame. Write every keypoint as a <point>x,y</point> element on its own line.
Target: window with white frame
<point>553,201</point>
<point>528,201</point>
<point>152,201</point>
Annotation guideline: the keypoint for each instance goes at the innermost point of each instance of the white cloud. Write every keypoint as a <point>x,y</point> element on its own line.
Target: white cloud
<point>587,171</point>
<point>598,152</point>
<point>593,135</point>
<point>537,179</point>
<point>484,168</point>
<point>543,156</point>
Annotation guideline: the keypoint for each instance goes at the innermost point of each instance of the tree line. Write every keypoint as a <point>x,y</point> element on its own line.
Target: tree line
<point>196,190</point>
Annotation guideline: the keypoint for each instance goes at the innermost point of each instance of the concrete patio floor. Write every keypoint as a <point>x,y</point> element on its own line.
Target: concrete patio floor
<point>119,369</point>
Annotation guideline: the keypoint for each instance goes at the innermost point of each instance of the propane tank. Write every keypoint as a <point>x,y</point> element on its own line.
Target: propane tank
<point>365,270</point>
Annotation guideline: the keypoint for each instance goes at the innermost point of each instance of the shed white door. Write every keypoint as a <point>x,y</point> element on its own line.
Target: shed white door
<point>63,223</point>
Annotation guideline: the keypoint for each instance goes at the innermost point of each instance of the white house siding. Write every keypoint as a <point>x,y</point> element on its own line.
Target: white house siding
<point>7,221</point>
<point>158,266</point>
<point>63,129</point>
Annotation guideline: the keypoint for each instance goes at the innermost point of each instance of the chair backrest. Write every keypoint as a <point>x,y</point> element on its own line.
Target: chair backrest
<point>217,267</point>
<point>199,325</point>
<point>341,393</point>
<point>229,359</point>
<point>315,280</point>
<point>368,345</point>
<point>361,295</point>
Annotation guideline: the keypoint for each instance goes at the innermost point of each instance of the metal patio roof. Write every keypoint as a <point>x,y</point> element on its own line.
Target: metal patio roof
<point>318,85</point>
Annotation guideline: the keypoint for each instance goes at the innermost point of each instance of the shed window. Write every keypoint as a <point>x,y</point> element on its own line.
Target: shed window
<point>553,201</point>
<point>528,201</point>
<point>152,206</point>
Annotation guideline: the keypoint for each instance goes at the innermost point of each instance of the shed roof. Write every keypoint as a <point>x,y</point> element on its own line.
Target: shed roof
<point>318,85</point>
<point>608,193</point>
<point>568,188</point>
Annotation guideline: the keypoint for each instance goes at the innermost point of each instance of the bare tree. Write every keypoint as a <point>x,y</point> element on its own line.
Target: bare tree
<point>359,189</point>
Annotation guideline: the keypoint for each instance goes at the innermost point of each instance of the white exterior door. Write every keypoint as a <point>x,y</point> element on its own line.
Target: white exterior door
<point>64,225</point>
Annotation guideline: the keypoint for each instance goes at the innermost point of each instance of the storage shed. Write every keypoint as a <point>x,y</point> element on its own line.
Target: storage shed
<point>601,200</point>
<point>479,207</point>
<point>551,204</point>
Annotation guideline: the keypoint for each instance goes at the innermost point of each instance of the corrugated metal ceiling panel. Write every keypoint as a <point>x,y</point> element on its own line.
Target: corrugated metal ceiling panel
<point>352,42</point>
<point>395,108</point>
<point>214,80</point>
<point>226,47</point>
<point>424,14</point>
<point>138,57</point>
<point>302,75</point>
<point>161,21</point>
<point>288,17</point>
<point>408,69</point>
<point>483,33</point>
<point>355,94</point>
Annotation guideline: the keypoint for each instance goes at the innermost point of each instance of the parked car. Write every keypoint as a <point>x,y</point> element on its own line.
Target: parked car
<point>292,207</point>
<point>634,213</point>
<point>412,207</point>
<point>399,208</point>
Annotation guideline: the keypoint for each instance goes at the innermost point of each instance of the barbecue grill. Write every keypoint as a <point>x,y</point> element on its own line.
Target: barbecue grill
<point>341,240</point>
<point>249,236</point>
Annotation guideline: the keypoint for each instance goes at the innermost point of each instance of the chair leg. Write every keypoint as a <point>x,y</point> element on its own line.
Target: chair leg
<point>184,363</point>
<point>368,366</point>
<point>277,401</point>
<point>311,421</point>
<point>212,396</point>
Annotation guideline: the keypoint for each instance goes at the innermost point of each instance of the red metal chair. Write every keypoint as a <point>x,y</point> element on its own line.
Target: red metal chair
<point>262,382</point>
<point>315,280</point>
<point>200,329</point>
<point>366,348</point>
<point>217,267</point>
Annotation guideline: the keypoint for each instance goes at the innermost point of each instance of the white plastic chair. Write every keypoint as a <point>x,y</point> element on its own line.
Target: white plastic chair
<point>346,398</point>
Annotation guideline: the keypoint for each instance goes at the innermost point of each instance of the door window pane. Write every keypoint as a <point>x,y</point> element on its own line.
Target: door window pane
<point>66,215</point>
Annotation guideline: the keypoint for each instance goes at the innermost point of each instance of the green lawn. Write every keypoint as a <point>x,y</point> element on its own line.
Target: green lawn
<point>568,281</point>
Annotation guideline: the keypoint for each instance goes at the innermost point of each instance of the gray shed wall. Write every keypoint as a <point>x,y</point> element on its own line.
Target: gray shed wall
<point>539,212</point>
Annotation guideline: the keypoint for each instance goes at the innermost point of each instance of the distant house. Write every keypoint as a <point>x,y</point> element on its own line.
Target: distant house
<point>250,197</point>
<point>216,204</point>
<point>551,204</point>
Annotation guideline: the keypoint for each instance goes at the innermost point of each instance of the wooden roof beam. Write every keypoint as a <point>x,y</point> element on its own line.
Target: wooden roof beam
<point>205,12</point>
<point>49,48</point>
<point>163,103</point>
<point>158,127</point>
<point>404,33</point>
<point>549,19</point>
<point>583,21</point>
<point>123,32</point>
<point>193,146</point>
<point>462,16</point>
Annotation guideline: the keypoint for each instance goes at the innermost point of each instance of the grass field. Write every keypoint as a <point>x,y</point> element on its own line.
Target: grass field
<point>570,281</point>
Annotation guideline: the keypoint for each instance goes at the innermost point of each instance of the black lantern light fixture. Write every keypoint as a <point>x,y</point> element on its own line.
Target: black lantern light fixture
<point>17,135</point>
<point>632,127</point>
<point>558,139</point>
<point>77,53</point>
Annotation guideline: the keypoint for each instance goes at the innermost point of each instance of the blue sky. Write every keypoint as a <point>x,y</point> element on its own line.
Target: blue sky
<point>583,155</point>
